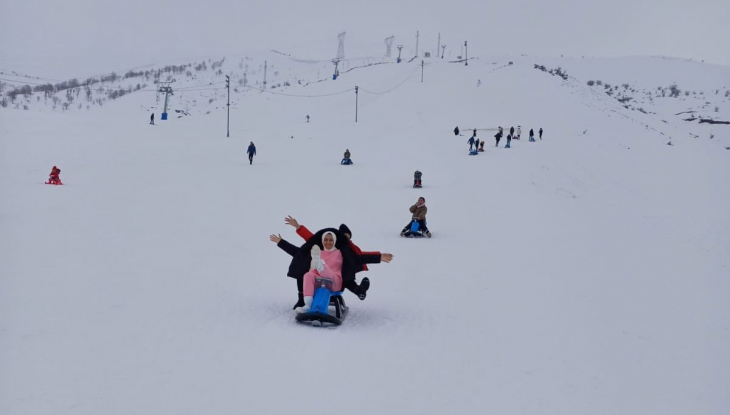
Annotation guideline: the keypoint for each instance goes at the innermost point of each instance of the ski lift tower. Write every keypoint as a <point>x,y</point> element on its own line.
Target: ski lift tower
<point>167,90</point>
<point>337,71</point>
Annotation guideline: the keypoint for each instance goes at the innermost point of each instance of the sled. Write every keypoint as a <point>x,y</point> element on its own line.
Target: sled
<point>346,162</point>
<point>417,184</point>
<point>473,152</point>
<point>415,232</point>
<point>54,182</point>
<point>324,299</point>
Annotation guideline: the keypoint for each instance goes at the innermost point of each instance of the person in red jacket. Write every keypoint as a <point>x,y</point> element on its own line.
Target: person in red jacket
<point>366,257</point>
<point>55,176</point>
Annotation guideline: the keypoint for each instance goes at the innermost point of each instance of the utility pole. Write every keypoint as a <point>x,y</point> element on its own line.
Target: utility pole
<point>417,43</point>
<point>438,45</point>
<point>356,88</point>
<point>167,89</point>
<point>228,122</point>
<point>399,49</point>
<point>443,50</point>
<point>265,66</point>
<point>466,54</point>
<point>421,70</point>
<point>337,71</point>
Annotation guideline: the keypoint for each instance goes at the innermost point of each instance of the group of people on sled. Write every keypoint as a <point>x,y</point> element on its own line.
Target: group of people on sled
<point>328,253</point>
<point>330,256</point>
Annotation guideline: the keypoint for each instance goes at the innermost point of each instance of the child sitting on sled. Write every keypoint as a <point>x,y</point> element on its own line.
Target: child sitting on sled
<point>417,179</point>
<point>55,176</point>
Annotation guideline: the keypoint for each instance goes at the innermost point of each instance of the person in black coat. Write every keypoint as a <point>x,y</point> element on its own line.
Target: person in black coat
<point>251,152</point>
<point>301,263</point>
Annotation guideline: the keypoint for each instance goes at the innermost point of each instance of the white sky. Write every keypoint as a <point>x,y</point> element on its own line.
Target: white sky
<point>85,37</point>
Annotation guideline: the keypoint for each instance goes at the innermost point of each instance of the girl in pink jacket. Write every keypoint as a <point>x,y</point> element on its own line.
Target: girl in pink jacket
<point>326,264</point>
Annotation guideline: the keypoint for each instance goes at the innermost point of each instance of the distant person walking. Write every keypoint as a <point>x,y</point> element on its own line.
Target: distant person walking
<point>519,132</point>
<point>251,152</point>
<point>152,119</point>
<point>532,135</point>
<point>540,132</point>
<point>471,142</point>
<point>497,137</point>
<point>307,118</point>
<point>512,131</point>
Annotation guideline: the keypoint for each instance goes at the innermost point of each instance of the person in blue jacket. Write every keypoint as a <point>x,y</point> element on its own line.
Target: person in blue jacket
<point>251,152</point>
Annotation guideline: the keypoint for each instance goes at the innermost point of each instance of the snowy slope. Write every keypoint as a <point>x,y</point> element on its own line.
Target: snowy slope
<point>584,273</point>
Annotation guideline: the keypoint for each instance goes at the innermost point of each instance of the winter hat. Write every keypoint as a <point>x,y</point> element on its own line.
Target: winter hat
<point>345,229</point>
<point>334,237</point>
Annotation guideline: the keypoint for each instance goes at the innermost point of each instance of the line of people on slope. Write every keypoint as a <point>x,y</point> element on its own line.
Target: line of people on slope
<point>475,145</point>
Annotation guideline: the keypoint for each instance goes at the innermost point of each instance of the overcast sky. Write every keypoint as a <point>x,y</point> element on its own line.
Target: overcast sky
<point>64,38</point>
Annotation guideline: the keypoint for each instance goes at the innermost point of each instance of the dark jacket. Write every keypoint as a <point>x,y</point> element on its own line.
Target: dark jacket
<point>302,260</point>
<point>470,141</point>
<point>512,130</point>
<point>251,149</point>
<point>532,133</point>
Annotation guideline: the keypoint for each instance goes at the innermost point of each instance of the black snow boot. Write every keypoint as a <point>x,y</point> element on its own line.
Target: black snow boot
<point>364,285</point>
<point>300,302</point>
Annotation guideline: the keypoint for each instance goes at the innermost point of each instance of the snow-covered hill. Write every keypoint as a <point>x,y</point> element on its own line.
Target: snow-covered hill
<point>583,273</point>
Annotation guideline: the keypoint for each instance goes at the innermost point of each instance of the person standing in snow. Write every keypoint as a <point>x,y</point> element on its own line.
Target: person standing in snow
<point>471,142</point>
<point>152,119</point>
<point>251,152</point>
<point>519,132</point>
<point>456,131</point>
<point>512,131</point>
<point>532,135</point>
<point>307,118</point>
<point>497,137</point>
<point>509,141</point>
<point>540,132</point>
<point>419,214</point>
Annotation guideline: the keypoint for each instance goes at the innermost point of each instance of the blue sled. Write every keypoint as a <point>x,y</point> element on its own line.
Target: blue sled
<point>319,314</point>
<point>415,232</point>
<point>346,162</point>
<point>473,152</point>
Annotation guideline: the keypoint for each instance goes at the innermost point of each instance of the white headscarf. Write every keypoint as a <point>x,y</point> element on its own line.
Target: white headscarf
<point>334,237</point>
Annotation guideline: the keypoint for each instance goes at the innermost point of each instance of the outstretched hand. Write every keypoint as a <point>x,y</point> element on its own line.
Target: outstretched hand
<point>291,221</point>
<point>275,238</point>
<point>385,257</point>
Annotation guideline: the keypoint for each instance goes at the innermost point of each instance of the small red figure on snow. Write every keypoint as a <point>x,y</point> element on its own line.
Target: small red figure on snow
<point>55,176</point>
